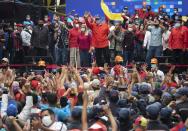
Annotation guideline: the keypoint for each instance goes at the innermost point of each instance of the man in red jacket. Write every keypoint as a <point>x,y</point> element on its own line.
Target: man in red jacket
<point>73,45</point>
<point>185,29</point>
<point>177,42</point>
<point>100,31</point>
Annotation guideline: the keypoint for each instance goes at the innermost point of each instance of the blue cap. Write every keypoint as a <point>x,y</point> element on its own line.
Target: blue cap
<point>181,92</point>
<point>157,92</point>
<point>165,112</point>
<point>153,109</point>
<point>124,113</point>
<point>166,95</point>
<point>76,112</point>
<point>122,103</point>
<point>114,96</point>
<point>144,87</point>
<point>136,87</point>
<point>12,110</point>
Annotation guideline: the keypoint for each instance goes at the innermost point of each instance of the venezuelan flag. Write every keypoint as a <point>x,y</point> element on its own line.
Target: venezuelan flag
<point>109,14</point>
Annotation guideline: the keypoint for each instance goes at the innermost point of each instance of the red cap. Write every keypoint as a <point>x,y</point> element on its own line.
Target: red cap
<point>18,97</point>
<point>117,69</point>
<point>19,25</point>
<point>34,84</point>
<point>96,70</point>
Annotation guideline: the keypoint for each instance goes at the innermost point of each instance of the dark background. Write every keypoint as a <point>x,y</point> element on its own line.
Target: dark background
<point>16,10</point>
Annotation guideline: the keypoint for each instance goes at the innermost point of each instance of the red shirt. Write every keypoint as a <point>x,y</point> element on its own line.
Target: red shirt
<point>150,13</point>
<point>84,41</point>
<point>185,29</point>
<point>99,34</point>
<point>140,35</point>
<point>142,14</point>
<point>73,37</point>
<point>178,38</point>
<point>178,127</point>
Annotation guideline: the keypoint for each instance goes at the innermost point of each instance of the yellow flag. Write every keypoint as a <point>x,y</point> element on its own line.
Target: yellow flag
<point>109,14</point>
<point>48,2</point>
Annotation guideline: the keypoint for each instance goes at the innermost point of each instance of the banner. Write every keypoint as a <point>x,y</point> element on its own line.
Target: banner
<point>112,7</point>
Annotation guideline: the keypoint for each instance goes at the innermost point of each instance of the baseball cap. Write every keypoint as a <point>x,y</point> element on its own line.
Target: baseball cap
<point>166,95</point>
<point>144,88</point>
<point>19,25</point>
<point>153,110</point>
<point>165,112</point>
<point>124,114</point>
<point>95,83</point>
<point>5,59</point>
<point>157,92</point>
<point>181,92</point>
<point>76,112</point>
<point>122,103</point>
<point>114,96</point>
<point>136,87</point>
<point>12,110</point>
<point>142,121</point>
<point>34,84</point>
<point>96,70</point>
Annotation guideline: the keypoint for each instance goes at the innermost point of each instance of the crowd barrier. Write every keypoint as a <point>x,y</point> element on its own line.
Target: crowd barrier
<point>54,66</point>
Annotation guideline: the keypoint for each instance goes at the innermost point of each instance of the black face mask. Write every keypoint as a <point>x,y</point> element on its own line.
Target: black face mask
<point>156,25</point>
<point>149,9</point>
<point>40,25</point>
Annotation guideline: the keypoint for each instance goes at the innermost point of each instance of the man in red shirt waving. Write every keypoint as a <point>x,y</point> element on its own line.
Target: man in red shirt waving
<point>100,31</point>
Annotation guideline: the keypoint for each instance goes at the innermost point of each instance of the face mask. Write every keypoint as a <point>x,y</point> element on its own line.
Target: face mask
<point>130,29</point>
<point>177,25</point>
<point>47,121</point>
<point>83,29</point>
<point>77,25</point>
<point>175,12</point>
<point>136,16</point>
<point>154,66</point>
<point>28,19</point>
<point>125,11</point>
<point>41,25</point>
<point>179,101</point>
<point>45,19</point>
<point>98,21</point>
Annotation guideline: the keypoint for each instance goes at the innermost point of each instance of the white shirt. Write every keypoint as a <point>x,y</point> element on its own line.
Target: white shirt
<point>26,37</point>
<point>112,72</point>
<point>159,75</point>
<point>58,126</point>
<point>165,37</point>
<point>147,39</point>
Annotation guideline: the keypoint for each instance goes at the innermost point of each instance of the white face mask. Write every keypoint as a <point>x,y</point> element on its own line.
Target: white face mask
<point>177,25</point>
<point>179,101</point>
<point>136,16</point>
<point>45,19</point>
<point>130,29</point>
<point>83,29</point>
<point>47,121</point>
<point>98,21</point>
<point>77,25</point>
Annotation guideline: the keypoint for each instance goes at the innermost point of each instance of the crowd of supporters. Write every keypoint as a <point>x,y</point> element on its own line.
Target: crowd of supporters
<point>79,40</point>
<point>94,90</point>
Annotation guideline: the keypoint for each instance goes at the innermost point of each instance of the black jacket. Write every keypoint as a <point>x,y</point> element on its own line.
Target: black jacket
<point>40,37</point>
<point>128,43</point>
